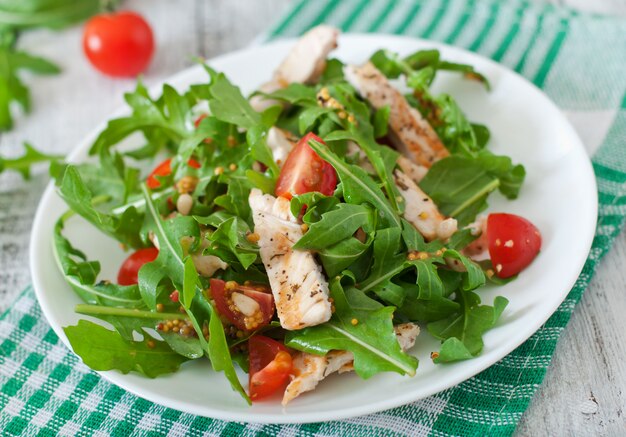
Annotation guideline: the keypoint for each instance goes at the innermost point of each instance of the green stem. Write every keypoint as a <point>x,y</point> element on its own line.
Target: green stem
<point>99,310</point>
<point>486,189</point>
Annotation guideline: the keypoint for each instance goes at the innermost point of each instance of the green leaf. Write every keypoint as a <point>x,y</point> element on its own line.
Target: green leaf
<point>474,278</point>
<point>335,226</point>
<point>358,187</point>
<point>229,242</point>
<point>23,163</point>
<point>459,186</point>
<point>82,275</point>
<point>372,340</point>
<point>261,181</point>
<point>189,347</point>
<point>102,349</point>
<point>388,261</point>
<point>381,121</point>
<point>228,104</point>
<point>170,263</point>
<point>294,93</point>
<point>341,255</point>
<point>467,326</point>
<point>76,194</point>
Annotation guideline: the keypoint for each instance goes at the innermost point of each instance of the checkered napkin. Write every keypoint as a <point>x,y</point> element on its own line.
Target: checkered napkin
<point>578,60</point>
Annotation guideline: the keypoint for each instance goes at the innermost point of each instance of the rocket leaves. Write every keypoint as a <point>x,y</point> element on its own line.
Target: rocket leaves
<point>103,349</point>
<point>359,325</point>
<point>381,270</point>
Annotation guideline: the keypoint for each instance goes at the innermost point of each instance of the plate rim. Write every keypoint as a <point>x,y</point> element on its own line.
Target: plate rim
<point>119,379</point>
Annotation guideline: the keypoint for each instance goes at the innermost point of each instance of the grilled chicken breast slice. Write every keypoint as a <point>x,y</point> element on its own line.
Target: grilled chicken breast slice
<point>410,132</point>
<point>421,211</point>
<point>299,287</point>
<point>411,169</point>
<point>310,369</point>
<point>304,63</point>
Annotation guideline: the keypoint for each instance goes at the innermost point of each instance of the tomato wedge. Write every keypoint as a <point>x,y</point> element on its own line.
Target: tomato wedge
<point>270,366</point>
<point>514,242</point>
<point>246,307</point>
<point>130,267</point>
<point>304,171</point>
<point>164,169</point>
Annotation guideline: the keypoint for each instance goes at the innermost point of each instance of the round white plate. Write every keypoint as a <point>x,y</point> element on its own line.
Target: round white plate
<point>559,196</point>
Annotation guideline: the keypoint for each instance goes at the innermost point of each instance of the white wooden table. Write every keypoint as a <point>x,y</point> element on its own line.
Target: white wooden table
<point>584,392</point>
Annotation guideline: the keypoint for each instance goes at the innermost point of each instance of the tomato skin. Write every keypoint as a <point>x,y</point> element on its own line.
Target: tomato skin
<point>514,242</point>
<point>164,169</point>
<point>119,44</point>
<point>304,171</point>
<point>130,267</point>
<point>270,366</point>
<point>222,297</point>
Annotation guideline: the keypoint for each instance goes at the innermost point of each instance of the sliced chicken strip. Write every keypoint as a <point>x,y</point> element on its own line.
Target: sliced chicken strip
<point>410,132</point>
<point>299,287</point>
<point>311,369</point>
<point>280,143</point>
<point>304,64</point>
<point>308,372</point>
<point>411,169</point>
<point>421,211</point>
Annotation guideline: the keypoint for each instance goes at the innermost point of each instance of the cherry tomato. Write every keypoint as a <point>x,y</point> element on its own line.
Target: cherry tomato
<point>164,169</point>
<point>513,243</point>
<point>304,171</point>
<point>245,307</point>
<point>270,366</point>
<point>119,44</point>
<point>130,267</point>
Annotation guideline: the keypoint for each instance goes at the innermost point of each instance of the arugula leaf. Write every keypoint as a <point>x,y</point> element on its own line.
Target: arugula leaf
<point>82,274</point>
<point>361,131</point>
<point>23,163</point>
<point>158,120</point>
<point>228,242</point>
<point>420,309</point>
<point>340,255</point>
<point>12,89</point>
<point>372,339</point>
<point>128,321</point>
<point>461,333</point>
<point>388,261</point>
<point>45,13</point>
<point>358,187</point>
<point>335,225</point>
<point>102,349</point>
<point>75,193</point>
<point>460,185</point>
<point>170,263</point>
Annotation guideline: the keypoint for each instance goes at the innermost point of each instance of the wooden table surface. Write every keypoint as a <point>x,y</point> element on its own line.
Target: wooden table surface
<point>584,392</point>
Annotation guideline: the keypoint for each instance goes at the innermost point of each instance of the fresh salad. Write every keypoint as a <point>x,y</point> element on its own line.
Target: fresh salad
<point>310,229</point>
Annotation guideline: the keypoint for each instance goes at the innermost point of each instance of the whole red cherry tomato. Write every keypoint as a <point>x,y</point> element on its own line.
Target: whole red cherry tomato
<point>119,44</point>
<point>514,242</point>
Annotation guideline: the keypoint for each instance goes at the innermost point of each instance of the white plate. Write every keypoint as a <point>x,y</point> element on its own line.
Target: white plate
<point>559,196</point>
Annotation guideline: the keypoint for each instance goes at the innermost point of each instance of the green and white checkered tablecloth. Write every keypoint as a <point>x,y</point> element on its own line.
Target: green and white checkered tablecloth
<point>577,59</point>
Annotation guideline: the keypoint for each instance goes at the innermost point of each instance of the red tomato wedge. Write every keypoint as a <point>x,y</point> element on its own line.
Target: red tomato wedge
<point>120,44</point>
<point>514,242</point>
<point>304,171</point>
<point>130,267</point>
<point>164,169</point>
<point>270,366</point>
<point>246,307</point>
